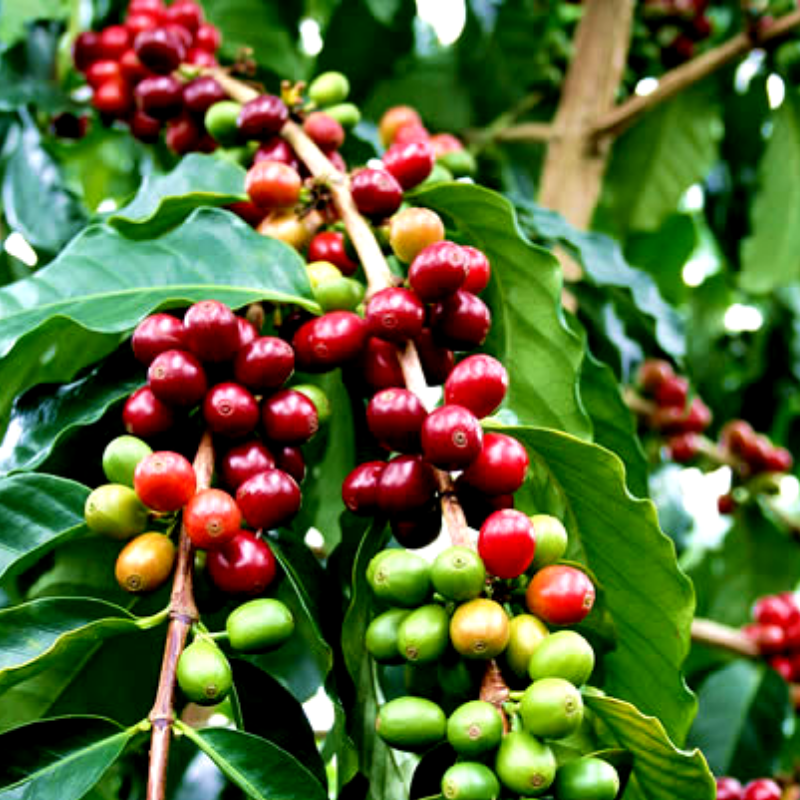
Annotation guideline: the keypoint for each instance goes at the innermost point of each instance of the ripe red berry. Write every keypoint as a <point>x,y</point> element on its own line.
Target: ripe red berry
<point>673,391</point>
<point>501,466</point>
<point>506,543</point>
<point>264,364</point>
<point>406,485</point>
<point>145,128</point>
<point>324,131</point>
<point>379,365</point>
<point>437,361</point>
<point>478,383</point>
<point>86,49</point>
<point>164,481</point>
<point>419,528</point>
<point>244,565</point>
<point>244,461</point>
<point>208,37</point>
<point>395,314</point>
<point>114,41</point>
<point>395,118</point>
<point>784,666</point>
<point>726,504</point>
<point>411,133</point>
<point>683,448</point>
<point>160,96</point>
<point>652,373</point>
<point>201,93</point>
<point>185,13</point>
<point>289,459</point>
<point>247,333</point>
<point>101,71</point>
<point>229,409</point>
<point>778,459</point>
<point>159,50</point>
<point>778,609</point>
<point>479,271</point>
<point>560,595</point>
<point>452,437</point>
<point>200,57</point>
<point>262,118</point>
<point>736,436</point>
<point>771,639</point>
<point>211,518</point>
<point>270,184</point>
<point>289,417</point>
<point>145,416</point>
<point>136,23</point>
<point>757,453</point>
<point>461,321</point>
<point>330,246</point>
<point>153,7</point>
<point>183,135</point>
<point>177,378</point>
<point>212,331</point>
<point>113,97</point>
<point>278,149</point>
<point>360,488</point>
<point>438,271</point>
<point>156,334</point>
<point>728,789</point>
<point>329,341</point>
<point>269,499</point>
<point>762,789</point>
<point>395,417</point>
<point>445,143</point>
<point>376,193</point>
<point>410,163</point>
<point>131,68</point>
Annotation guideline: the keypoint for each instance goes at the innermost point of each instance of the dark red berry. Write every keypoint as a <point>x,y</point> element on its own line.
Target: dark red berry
<point>247,211</point>
<point>183,35</point>
<point>145,128</point>
<point>726,504</point>
<point>269,499</point>
<point>560,595</point>
<point>289,458</point>
<point>478,383</point>
<point>729,789</point>
<point>394,418</point>
<point>145,416</point>
<point>289,417</point>
<point>438,271</point>
<point>784,666</point>
<point>262,118</point>
<point>683,447</point>
<point>330,246</point>
<point>229,409</point>
<point>113,97</point>
<point>762,789</point>
<point>395,314</point>
<point>418,529</point>
<point>736,436</point>
<point>159,50</point>
<point>183,135</point>
<point>245,565</point>
<point>507,543</point>
<point>277,149</point>
<point>410,162</point>
<point>376,193</point>
<point>501,466</point>
<point>86,49</point>
<point>164,481</point>
<point>212,331</point>
<point>136,23</point>
<point>264,364</point>
<point>131,68</point>
<point>201,93</point>
<point>177,378</point>
<point>673,391</point>
<point>185,13</point>
<point>452,437</point>
<point>778,459</point>
<point>406,485</point>
<point>757,453</point>
<point>652,373</point>
<point>102,71</point>
<point>778,609</point>
<point>477,506</point>
<point>770,638</point>
<point>114,41</point>
<point>437,361</point>
<point>247,333</point>
<point>208,37</point>
<point>156,334</point>
<point>324,131</point>
<point>379,365</point>
<point>244,461</point>
<point>160,96</point>
<point>329,341</point>
<point>461,321</point>
<point>211,518</point>
<point>360,488</point>
<point>479,270</point>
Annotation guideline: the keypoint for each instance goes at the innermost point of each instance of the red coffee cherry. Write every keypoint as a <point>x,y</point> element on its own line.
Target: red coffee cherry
<point>245,565</point>
<point>409,163</point>
<point>406,485</point>
<point>160,96</point>
<point>395,118</point>
<point>185,13</point>
<point>329,341</point>
<point>324,131</point>
<point>683,448</point>
<point>114,41</point>
<point>418,529</point>
<point>159,50</point>
<point>784,666</point>
<point>438,271</point>
<point>445,143</point>
<point>183,135</point>
<point>289,417</point>
<point>264,364</point>
<point>726,504</point>
<point>757,453</point>
<point>395,314</point>
<point>145,416</point>
<point>86,50</point>
<point>673,391</point>
<point>101,71</point>
<point>479,270</point>
<point>379,365</point>
<point>229,409</point>
<point>270,184</point>
<point>153,7</point>
<point>177,378</point>
<point>164,481</point>
<point>411,133</point>
<point>360,488</point>
<point>777,609</point>
<point>136,23</point>
<point>201,93</point>
<point>113,97</point>
<point>278,149</point>
<point>262,118</point>
<point>247,211</point>
<point>461,321</point>
<point>211,518</point>
<point>376,193</point>
<point>560,595</point>
<point>437,361</point>
<point>247,333</point>
<point>652,373</point>
<point>452,437</point>
<point>244,461</point>
<point>394,418</point>
<point>145,128</point>
<point>289,459</point>
<point>478,383</point>
<point>737,436</point>
<point>778,459</point>
<point>762,789</point>
<point>330,246</point>
<point>729,789</point>
<point>212,331</point>
<point>269,499</point>
<point>156,334</point>
<point>506,543</point>
<point>770,639</point>
<point>131,68</point>
<point>200,57</point>
<point>208,37</point>
<point>501,466</point>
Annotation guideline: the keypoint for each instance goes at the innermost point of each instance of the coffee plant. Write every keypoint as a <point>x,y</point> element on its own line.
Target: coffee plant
<point>398,400</point>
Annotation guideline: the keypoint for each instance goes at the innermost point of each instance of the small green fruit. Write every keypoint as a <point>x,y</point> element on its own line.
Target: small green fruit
<point>480,629</point>
<point>381,636</point>
<point>551,540</point>
<point>469,780</point>
<point>401,579</point>
<point>475,728</point>
<point>460,162</point>
<point>339,294</point>
<point>411,723</point>
<point>551,708</point>
<point>204,673</point>
<point>565,654</point>
<point>318,397</point>
<point>375,562</point>
<point>526,633</point>
<point>320,272</point>
<point>346,114</point>
<point>587,779</point>
<point>439,174</point>
<point>458,573</point>
<point>423,635</point>
<point>121,457</point>
<point>525,765</point>
<point>220,122</point>
<point>329,88</point>
<point>259,625</point>
<point>115,511</point>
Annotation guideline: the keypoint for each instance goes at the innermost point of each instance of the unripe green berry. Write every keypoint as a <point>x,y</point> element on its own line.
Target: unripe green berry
<point>551,708</point>
<point>329,88</point>
<point>204,673</point>
<point>318,397</point>
<point>461,163</point>
<point>121,457</point>
<point>475,728</point>
<point>381,636</point>
<point>259,625</point>
<point>346,114</point>
<point>115,511</point>
<point>470,780</point>
<point>220,121</point>
<point>551,540</point>
<point>339,294</point>
<point>458,573</point>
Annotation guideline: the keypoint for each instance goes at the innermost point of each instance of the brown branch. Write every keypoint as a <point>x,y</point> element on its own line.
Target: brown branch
<point>494,690</point>
<point>526,132</point>
<point>732,640</point>
<point>183,612</point>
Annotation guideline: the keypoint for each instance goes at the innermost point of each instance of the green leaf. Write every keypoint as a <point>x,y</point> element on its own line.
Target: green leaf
<point>74,311</point>
<point>37,513</point>
<point>15,17</point>
<point>769,255</point>
<point>650,600</point>
<point>259,768</point>
<point>384,10</point>
<point>744,709</point>
<point>525,297</point>
<point>660,770</point>
<point>165,200</point>
<point>59,758</point>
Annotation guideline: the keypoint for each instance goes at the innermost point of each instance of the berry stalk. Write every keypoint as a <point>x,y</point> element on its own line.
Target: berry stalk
<point>708,632</point>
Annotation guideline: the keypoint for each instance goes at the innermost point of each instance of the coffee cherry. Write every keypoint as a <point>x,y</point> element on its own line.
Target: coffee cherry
<point>728,789</point>
<point>112,97</point>
<point>207,37</point>
<point>115,511</point>
<point>339,294</point>
<point>183,135</point>
<point>501,466</point>
<point>479,629</point>
<point>204,673</point>
<point>506,543</point>
<point>778,459</point>
<point>437,361</point>
<point>177,378</point>
<point>270,184</point>
<point>165,481</point>
<point>102,71</point>
<point>778,610</point>
<point>159,50</point>
<point>289,417</point>
<point>762,789</point>
<point>478,270</point>
<point>394,119</point>
<point>422,636</point>
<point>212,331</point>
<point>329,341</point>
<point>380,639</point>
<point>121,457</point>
<point>181,33</point>
<point>525,765</point>
<point>560,595</point>
<point>153,7</point>
<point>360,488</point>
<point>683,448</point>
<point>136,23</point>
<point>145,415</point>
<point>478,383</point>
<point>673,391</point>
<point>551,540</point>
<point>475,728</point>
<point>411,723</point>
<point>145,563</point>
<point>244,461</point>
<point>277,149</point>
<point>376,193</point>
<point>229,409</point>
<point>114,41</point>
<point>406,484</point>
<point>652,373</point>
<point>551,708</point>
<point>564,654</point>
<point>461,321</point>
<point>452,437</point>
<point>526,633</point>
<point>259,626</point>
<point>438,271</point>
<point>245,565</point>
<point>211,518</point>
<point>86,50</point>
<point>264,364</point>
<point>395,314</point>
<point>411,133</point>
<point>329,88</point>
<point>417,528</point>
<point>726,504</point>
<point>379,365</point>
<point>185,13</point>
<point>477,506</point>
<point>201,93</point>
<point>409,163</point>
<point>220,121</point>
<point>322,272</point>
<point>394,418</point>
<point>289,459</point>
<point>269,499</point>
<point>145,128</point>
<point>131,68</point>
<point>324,131</point>
<point>329,246</point>
<point>458,573</point>
<point>588,778</point>
<point>737,436</point>
<point>412,230</point>
<point>160,96</point>
<point>248,332</point>
<point>262,118</point>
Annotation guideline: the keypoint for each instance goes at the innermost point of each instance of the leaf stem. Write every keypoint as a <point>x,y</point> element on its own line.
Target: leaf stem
<point>722,637</point>
<point>146,623</point>
<point>183,614</point>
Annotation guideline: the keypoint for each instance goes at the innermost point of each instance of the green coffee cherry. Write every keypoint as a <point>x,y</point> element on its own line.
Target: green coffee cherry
<point>475,728</point>
<point>565,654</point>
<point>551,540</point>
<point>424,634</point>
<point>460,162</point>
<point>401,579</point>
<point>318,397</point>
<point>438,174</point>
<point>469,780</point>
<point>339,294</point>
<point>204,673</point>
<point>320,272</point>
<point>220,122</point>
<point>329,88</point>
<point>375,562</point>
<point>381,636</point>
<point>458,573</point>
<point>121,457</point>
<point>115,511</point>
<point>587,779</point>
<point>411,723</point>
<point>526,633</point>
<point>525,765</point>
<point>259,625</point>
<point>242,156</point>
<point>346,114</point>
<point>551,708</point>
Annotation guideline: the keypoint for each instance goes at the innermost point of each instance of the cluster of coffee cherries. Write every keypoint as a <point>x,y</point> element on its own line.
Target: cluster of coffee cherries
<point>131,68</point>
<point>447,619</point>
<point>760,789</point>
<point>776,630</point>
<point>677,27</point>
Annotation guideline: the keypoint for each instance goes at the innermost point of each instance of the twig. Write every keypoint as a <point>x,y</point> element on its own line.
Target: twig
<point>183,612</point>
<point>494,690</point>
<point>708,632</point>
<point>526,132</point>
